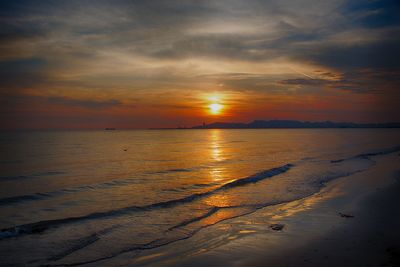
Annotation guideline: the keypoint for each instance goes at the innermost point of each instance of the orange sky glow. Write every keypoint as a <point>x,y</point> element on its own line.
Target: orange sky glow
<point>86,66</point>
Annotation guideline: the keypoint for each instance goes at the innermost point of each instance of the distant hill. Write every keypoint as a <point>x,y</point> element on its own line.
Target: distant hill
<point>270,124</point>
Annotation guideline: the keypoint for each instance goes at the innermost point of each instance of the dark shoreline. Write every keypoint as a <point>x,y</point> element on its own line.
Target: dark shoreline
<point>289,124</point>
<point>272,128</point>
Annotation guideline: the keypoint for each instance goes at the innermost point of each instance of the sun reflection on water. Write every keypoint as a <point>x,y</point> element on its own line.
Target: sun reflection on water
<point>217,168</point>
<point>216,148</point>
<point>216,154</point>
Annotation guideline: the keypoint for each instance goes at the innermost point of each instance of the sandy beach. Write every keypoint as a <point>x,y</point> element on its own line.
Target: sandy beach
<point>353,221</point>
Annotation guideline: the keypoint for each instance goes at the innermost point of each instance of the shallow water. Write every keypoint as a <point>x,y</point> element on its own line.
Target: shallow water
<point>75,197</point>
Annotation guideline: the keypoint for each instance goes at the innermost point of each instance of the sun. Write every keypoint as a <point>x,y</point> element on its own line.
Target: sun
<point>215,108</point>
<point>215,103</point>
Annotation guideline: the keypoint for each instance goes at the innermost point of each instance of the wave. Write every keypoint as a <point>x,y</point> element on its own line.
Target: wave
<point>71,190</point>
<point>170,237</point>
<point>190,187</point>
<point>189,228</point>
<point>370,154</point>
<point>31,176</point>
<point>81,243</point>
<point>24,198</point>
<point>105,185</point>
<point>41,226</point>
<point>174,170</point>
<point>201,217</point>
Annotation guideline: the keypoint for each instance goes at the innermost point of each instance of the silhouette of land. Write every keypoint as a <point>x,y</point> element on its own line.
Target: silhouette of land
<point>270,124</point>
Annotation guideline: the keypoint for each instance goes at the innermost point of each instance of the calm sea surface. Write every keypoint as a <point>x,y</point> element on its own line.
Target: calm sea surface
<point>75,197</point>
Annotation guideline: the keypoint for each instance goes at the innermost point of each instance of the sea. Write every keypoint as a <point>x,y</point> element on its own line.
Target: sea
<point>71,198</point>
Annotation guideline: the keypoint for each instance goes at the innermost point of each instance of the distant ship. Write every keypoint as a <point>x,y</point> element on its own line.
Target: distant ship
<point>109,129</point>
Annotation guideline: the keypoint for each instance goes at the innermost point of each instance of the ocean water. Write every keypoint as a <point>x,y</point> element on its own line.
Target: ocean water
<point>69,198</point>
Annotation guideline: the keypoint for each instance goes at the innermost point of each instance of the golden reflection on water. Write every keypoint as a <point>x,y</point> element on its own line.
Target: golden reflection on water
<point>216,147</point>
<point>301,205</point>
<point>217,170</point>
<point>219,200</point>
<point>148,257</point>
<point>216,154</point>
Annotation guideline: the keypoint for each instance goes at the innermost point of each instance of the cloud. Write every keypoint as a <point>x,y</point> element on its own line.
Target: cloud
<point>359,81</point>
<point>92,104</point>
<point>22,73</point>
<point>17,100</point>
<point>301,81</point>
<point>70,51</point>
<point>380,54</point>
<point>228,30</point>
<point>374,14</point>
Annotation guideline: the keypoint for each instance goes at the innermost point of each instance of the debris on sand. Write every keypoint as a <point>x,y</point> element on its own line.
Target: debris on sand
<point>346,215</point>
<point>277,226</point>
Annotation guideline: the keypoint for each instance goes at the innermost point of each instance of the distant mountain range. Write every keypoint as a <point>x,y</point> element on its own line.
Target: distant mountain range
<point>269,124</point>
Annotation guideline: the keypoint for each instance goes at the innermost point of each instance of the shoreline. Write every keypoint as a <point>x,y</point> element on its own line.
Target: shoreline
<point>363,233</point>
<point>317,230</point>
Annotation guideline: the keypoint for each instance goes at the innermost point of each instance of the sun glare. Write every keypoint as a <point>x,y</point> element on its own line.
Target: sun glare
<point>215,103</point>
<point>215,108</point>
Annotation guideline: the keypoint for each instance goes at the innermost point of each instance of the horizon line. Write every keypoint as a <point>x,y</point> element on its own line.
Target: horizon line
<point>203,126</point>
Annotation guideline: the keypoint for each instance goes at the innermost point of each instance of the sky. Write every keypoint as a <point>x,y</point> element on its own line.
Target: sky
<point>139,64</point>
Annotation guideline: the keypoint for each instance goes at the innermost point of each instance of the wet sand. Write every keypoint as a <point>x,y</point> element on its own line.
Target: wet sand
<point>366,234</point>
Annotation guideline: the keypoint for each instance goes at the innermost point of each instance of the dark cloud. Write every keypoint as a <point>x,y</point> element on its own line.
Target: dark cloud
<point>374,14</point>
<point>22,73</point>
<point>360,81</point>
<point>16,100</point>
<point>92,104</point>
<point>380,54</point>
<point>312,82</point>
<point>11,32</point>
<point>168,29</point>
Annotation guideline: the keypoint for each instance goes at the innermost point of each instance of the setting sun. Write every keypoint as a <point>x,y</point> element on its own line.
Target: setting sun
<point>215,108</point>
<point>215,102</point>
